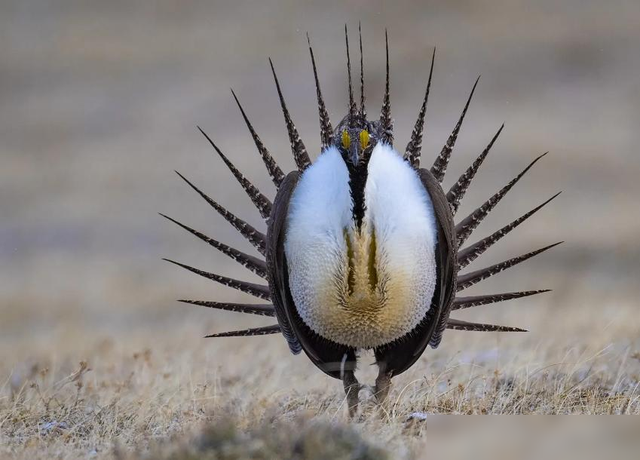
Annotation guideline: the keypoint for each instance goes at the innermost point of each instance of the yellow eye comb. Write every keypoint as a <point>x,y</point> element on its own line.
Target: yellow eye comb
<point>364,139</point>
<point>346,139</point>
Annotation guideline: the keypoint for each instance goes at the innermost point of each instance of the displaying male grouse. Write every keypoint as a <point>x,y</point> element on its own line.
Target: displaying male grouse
<point>361,249</point>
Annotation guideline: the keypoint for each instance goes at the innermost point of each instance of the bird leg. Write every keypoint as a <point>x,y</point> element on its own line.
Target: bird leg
<point>383,384</point>
<point>350,382</point>
<point>351,389</point>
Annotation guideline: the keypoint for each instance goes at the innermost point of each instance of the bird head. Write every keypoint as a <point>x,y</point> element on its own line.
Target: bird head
<point>355,137</point>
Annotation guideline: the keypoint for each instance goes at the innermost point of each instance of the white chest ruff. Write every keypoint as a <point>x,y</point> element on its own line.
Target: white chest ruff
<point>361,288</point>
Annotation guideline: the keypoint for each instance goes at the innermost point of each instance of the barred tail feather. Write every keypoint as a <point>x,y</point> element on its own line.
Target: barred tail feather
<point>266,330</point>
<point>461,303</point>
<point>470,253</point>
<point>256,238</point>
<point>259,200</point>
<point>469,279</point>
<point>352,103</point>
<point>458,325</point>
<point>414,147</point>
<point>465,227</point>
<point>386,122</point>
<point>298,149</point>
<point>257,266</point>
<point>439,167</point>
<point>252,309</point>
<point>458,190</point>
<point>256,290</point>
<point>363,111</point>
<point>276,174</point>
<point>326,131</point>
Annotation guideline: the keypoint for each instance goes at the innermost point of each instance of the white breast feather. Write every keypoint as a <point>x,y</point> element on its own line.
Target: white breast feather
<point>398,213</point>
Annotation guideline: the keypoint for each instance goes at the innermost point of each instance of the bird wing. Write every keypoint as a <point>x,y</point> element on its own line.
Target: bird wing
<point>446,255</point>
<point>276,261</point>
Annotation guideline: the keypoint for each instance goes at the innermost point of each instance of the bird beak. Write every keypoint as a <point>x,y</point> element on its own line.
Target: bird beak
<point>354,156</point>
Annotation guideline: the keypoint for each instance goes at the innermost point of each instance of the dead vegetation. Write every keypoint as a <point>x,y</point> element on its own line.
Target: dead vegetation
<point>191,398</point>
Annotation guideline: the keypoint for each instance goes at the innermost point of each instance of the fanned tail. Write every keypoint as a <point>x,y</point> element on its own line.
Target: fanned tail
<point>257,266</point>
<point>298,149</point>
<point>458,190</point>
<point>276,174</point>
<point>470,253</point>
<point>469,279</point>
<point>259,200</point>
<point>256,290</point>
<point>256,238</point>
<point>467,225</point>
<point>439,167</point>
<point>326,131</point>
<point>414,147</point>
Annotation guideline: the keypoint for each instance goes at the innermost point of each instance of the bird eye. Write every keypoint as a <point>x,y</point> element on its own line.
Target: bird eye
<point>346,139</point>
<point>364,139</point>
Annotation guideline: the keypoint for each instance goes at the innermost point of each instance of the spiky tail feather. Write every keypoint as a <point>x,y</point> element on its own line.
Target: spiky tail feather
<point>266,330</point>
<point>439,167</point>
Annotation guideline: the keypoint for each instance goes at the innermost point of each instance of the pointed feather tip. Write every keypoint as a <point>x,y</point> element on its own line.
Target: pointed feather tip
<point>171,219</point>
<point>183,178</point>
<point>244,115</point>
<point>211,142</point>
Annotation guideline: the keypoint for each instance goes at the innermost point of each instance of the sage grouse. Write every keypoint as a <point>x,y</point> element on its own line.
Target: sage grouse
<point>361,250</point>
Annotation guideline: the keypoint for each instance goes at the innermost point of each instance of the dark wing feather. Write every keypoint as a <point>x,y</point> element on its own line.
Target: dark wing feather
<point>276,263</point>
<point>447,252</point>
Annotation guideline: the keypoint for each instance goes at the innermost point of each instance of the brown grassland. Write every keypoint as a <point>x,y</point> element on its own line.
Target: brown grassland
<point>99,104</point>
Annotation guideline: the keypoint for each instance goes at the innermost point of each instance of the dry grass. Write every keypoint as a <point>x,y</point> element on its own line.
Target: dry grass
<point>114,395</point>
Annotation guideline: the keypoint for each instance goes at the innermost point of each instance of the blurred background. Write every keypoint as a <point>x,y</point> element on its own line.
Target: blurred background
<point>99,103</point>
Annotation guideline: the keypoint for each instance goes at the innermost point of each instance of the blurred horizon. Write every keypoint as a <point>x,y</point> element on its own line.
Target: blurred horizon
<point>99,103</point>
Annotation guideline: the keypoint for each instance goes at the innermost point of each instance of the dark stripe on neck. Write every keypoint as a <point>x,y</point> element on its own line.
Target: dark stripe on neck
<point>357,181</point>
